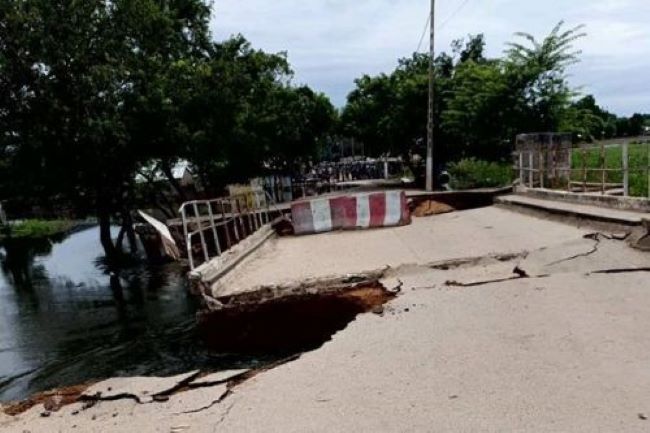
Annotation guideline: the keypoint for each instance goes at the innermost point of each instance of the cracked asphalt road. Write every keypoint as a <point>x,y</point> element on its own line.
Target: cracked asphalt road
<point>568,352</point>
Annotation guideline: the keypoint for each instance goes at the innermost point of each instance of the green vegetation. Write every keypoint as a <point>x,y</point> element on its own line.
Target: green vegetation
<point>472,173</point>
<point>591,159</point>
<point>94,92</point>
<point>35,228</point>
<point>481,103</point>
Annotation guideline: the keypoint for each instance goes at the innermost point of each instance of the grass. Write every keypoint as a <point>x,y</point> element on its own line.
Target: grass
<point>638,163</point>
<point>473,173</point>
<point>36,228</point>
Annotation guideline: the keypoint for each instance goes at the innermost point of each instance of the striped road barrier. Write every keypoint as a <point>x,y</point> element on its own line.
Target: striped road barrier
<point>350,212</point>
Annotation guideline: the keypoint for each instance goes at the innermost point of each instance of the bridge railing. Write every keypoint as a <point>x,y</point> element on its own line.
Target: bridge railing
<point>212,227</point>
<point>614,169</point>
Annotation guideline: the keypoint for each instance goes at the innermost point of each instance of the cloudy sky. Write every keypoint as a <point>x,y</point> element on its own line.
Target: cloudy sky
<point>332,42</point>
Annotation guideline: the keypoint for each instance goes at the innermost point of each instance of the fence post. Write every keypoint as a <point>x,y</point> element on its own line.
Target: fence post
<point>584,169</point>
<point>214,228</point>
<point>190,255</point>
<point>569,167</point>
<point>531,173</point>
<point>626,170</point>
<point>184,219</point>
<point>521,167</point>
<point>201,235</point>
<point>541,169</point>
<point>603,176</point>
<point>234,203</point>
<point>225,220</point>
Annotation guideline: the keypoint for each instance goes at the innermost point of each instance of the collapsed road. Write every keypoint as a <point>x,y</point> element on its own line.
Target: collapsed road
<point>534,335</point>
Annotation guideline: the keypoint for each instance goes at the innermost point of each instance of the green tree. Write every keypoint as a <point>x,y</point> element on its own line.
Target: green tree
<point>481,104</point>
<point>69,70</point>
<point>96,91</point>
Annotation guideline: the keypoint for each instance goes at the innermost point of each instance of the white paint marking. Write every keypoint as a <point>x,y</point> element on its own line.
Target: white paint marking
<point>363,210</point>
<point>320,210</point>
<point>393,208</point>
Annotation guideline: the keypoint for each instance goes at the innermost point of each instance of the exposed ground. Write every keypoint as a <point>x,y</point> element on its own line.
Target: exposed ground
<point>504,322</point>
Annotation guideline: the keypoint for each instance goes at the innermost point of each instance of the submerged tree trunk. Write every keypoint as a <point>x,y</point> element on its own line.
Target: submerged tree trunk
<point>127,225</point>
<point>110,250</point>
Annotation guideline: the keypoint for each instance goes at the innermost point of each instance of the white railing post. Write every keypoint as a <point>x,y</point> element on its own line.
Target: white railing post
<point>190,256</point>
<point>541,169</point>
<point>184,220</point>
<point>234,214</point>
<point>626,170</point>
<point>200,229</point>
<point>648,166</point>
<point>214,228</point>
<point>531,174</point>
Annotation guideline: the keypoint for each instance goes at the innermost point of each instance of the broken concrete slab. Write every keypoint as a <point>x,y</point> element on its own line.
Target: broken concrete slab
<point>564,353</point>
<point>427,240</point>
<point>141,389</point>
<point>310,286</point>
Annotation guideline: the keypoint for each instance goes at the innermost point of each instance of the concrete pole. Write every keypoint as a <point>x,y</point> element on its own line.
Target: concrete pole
<point>431,113</point>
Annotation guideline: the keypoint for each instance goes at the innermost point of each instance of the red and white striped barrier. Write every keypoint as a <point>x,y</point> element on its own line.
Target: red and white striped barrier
<point>349,212</point>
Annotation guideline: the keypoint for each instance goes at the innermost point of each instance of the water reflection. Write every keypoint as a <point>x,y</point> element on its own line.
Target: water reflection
<point>64,320</point>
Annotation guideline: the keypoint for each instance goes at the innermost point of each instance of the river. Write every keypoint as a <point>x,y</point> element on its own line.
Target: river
<point>63,321</point>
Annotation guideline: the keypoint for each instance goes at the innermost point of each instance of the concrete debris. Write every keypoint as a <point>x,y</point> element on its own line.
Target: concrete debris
<point>620,236</point>
<point>641,239</point>
<point>393,285</point>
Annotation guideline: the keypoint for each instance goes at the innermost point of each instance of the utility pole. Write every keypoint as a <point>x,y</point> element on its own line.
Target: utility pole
<point>429,167</point>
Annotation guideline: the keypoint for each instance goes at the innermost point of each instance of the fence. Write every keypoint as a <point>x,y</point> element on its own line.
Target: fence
<point>606,169</point>
<point>212,227</point>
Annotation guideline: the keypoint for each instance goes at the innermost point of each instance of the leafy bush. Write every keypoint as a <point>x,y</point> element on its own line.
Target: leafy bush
<point>473,173</point>
<point>35,228</point>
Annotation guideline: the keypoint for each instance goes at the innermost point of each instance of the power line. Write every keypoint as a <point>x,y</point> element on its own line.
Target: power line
<point>446,21</point>
<point>453,14</point>
<point>424,32</point>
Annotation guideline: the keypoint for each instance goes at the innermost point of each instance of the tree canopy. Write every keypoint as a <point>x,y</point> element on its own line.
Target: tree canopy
<point>481,103</point>
<point>93,91</point>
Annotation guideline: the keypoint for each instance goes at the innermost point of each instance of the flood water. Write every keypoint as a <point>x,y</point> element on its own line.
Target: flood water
<point>64,321</point>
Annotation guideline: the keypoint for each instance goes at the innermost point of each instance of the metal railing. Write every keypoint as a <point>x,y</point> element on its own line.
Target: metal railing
<point>212,227</point>
<point>578,169</point>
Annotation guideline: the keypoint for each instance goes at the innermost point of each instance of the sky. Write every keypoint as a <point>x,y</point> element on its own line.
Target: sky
<point>329,43</point>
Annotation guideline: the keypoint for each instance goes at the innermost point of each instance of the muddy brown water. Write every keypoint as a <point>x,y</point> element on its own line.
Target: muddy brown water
<point>64,321</point>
